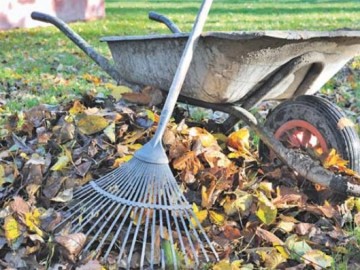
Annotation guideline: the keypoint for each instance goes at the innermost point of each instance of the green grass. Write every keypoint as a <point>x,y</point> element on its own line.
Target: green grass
<point>41,66</point>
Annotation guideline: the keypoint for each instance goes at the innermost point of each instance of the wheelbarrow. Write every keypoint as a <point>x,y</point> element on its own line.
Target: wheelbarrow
<point>233,72</point>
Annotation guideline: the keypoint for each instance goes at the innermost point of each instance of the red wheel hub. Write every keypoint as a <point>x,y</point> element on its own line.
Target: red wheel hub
<point>301,134</point>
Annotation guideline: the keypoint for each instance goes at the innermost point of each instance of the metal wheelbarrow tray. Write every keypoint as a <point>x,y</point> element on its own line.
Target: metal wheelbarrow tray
<point>237,67</point>
<point>234,71</point>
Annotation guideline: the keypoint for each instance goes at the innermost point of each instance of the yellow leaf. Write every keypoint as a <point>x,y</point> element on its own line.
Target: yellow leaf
<point>267,211</point>
<point>12,228</point>
<point>318,259</point>
<point>271,259</point>
<point>90,78</point>
<point>217,218</point>
<point>110,132</point>
<point>2,175</point>
<point>201,215</point>
<point>205,137</point>
<point>334,160</point>
<point>239,139</point>
<point>32,221</point>
<point>118,90</point>
<point>90,124</point>
<point>77,108</point>
<point>135,146</point>
<point>226,265</point>
<point>121,160</point>
<point>61,163</point>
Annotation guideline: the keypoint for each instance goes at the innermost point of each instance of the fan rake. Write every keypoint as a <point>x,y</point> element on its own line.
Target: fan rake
<point>138,210</point>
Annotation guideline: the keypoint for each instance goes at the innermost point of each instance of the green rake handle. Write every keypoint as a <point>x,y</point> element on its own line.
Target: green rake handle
<point>153,151</point>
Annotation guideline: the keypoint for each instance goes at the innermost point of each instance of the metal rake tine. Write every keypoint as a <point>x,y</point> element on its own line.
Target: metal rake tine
<point>151,196</point>
<point>132,193</point>
<point>138,225</point>
<point>188,235</point>
<point>162,255</point>
<point>98,208</point>
<point>178,229</point>
<point>84,204</point>
<point>164,182</point>
<point>141,193</point>
<point>99,198</point>
<point>153,232</point>
<point>118,230</point>
<point>145,197</point>
<point>176,192</point>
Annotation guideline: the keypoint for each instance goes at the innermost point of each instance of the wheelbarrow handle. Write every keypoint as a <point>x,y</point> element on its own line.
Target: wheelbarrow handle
<point>165,20</point>
<point>80,42</point>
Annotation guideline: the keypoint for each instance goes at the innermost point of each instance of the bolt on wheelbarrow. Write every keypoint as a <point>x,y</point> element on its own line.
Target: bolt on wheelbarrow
<point>235,71</point>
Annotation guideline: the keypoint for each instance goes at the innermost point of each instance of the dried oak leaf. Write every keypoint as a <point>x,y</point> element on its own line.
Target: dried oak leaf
<point>188,162</point>
<point>73,243</point>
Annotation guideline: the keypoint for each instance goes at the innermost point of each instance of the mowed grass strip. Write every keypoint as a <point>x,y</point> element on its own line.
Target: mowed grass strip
<point>41,65</point>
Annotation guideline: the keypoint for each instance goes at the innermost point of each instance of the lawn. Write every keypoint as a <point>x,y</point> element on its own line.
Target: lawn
<point>257,212</point>
<point>41,66</point>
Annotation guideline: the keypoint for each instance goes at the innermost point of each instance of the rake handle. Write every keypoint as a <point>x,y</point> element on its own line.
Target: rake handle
<point>182,70</point>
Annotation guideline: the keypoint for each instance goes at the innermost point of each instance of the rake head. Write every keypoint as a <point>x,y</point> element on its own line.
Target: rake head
<point>139,213</point>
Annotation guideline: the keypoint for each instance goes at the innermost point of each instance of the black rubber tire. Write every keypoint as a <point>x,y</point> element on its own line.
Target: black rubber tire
<point>324,116</point>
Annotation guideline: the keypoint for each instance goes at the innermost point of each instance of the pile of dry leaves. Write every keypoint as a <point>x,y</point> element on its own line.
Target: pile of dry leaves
<point>257,215</point>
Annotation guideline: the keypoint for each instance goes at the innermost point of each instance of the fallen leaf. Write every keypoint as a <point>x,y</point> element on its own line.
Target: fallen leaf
<point>203,135</point>
<point>239,139</point>
<point>90,78</point>
<point>274,240</point>
<point>267,211</point>
<point>271,259</point>
<point>217,218</point>
<point>61,163</point>
<point>91,265</point>
<point>110,132</point>
<point>11,228</point>
<point>333,159</point>
<point>77,108</point>
<point>201,215</point>
<point>231,232</point>
<point>32,221</point>
<point>19,206</point>
<point>318,259</point>
<point>73,243</point>
<point>188,162</point>
<point>118,90</point>
<point>297,248</point>
<point>90,124</point>
<point>344,122</point>
<point>64,196</point>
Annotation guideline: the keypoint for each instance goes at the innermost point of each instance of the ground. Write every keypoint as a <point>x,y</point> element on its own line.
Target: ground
<point>65,122</point>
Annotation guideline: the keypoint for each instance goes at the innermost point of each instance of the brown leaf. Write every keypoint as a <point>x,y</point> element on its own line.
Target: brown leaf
<point>188,162</point>
<point>91,265</point>
<point>231,232</point>
<point>73,243</point>
<point>137,98</point>
<point>357,219</point>
<point>19,206</point>
<point>303,228</point>
<point>273,239</point>
<point>344,122</point>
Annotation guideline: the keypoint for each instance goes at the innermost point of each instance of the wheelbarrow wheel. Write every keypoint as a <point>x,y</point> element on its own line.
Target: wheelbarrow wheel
<point>313,124</point>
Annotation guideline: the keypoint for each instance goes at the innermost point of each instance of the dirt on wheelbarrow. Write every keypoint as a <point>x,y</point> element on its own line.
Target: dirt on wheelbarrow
<point>257,215</point>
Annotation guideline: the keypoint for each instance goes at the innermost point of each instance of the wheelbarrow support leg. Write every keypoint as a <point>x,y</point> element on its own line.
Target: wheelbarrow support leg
<point>302,164</point>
